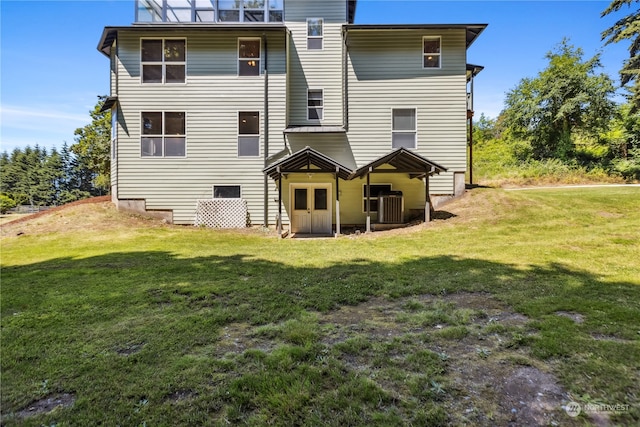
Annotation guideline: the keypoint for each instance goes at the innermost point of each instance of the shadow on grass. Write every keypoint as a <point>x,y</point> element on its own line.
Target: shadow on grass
<point>117,327</point>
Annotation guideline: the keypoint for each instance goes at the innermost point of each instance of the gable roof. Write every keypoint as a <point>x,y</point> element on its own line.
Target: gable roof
<point>404,161</point>
<point>301,161</point>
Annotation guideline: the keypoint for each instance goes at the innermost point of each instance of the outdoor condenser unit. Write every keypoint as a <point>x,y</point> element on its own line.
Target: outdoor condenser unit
<point>390,207</point>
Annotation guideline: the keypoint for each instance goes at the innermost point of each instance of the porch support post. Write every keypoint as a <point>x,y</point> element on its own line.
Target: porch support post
<point>279,203</point>
<point>427,198</point>
<point>368,229</point>
<point>337,203</point>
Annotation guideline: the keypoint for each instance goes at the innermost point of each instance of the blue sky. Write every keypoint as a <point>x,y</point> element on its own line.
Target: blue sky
<point>51,72</point>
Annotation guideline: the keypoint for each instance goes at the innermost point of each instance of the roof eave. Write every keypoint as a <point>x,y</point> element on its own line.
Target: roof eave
<point>472,30</point>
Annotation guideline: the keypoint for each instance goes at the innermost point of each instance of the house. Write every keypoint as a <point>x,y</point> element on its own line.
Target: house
<point>264,111</point>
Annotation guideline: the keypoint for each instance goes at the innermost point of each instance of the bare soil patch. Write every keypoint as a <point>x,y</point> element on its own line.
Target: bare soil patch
<point>489,382</point>
<point>46,405</point>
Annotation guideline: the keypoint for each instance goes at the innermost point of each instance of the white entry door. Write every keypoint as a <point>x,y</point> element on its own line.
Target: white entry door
<point>311,208</point>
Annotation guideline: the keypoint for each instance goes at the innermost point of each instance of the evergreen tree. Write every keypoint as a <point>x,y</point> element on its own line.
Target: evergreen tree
<point>93,147</point>
<point>627,28</point>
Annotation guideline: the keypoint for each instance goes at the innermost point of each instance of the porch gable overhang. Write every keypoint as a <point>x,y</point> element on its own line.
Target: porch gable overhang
<point>302,162</point>
<point>402,160</point>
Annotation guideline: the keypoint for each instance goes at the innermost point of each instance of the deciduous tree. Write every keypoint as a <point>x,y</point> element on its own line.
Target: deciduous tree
<point>566,97</point>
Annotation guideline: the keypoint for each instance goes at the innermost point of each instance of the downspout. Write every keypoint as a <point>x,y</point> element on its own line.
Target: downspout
<point>471,135</point>
<point>114,64</point>
<point>345,81</point>
<point>266,132</point>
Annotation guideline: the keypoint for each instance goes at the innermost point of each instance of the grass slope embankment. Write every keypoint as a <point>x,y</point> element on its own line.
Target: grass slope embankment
<point>515,305</point>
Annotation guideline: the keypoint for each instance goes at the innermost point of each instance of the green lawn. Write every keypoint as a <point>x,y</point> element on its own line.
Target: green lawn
<point>140,324</point>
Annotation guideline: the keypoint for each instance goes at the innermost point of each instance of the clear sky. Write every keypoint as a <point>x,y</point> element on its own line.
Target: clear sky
<point>51,72</point>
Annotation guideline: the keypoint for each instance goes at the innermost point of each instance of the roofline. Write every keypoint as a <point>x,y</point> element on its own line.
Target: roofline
<point>473,30</point>
<point>109,34</point>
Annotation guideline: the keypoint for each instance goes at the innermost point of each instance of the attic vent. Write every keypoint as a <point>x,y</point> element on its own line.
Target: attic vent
<point>391,207</point>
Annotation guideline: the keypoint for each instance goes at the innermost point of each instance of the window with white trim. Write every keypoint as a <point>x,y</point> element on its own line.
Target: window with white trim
<point>431,52</point>
<point>226,192</point>
<point>163,60</point>
<point>376,189</point>
<point>403,133</point>
<point>249,57</point>
<point>314,33</point>
<point>248,134</point>
<point>250,10</point>
<point>315,104</point>
<point>163,134</point>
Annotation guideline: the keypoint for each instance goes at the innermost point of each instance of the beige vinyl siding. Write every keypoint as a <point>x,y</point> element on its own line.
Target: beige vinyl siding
<point>385,72</point>
<point>315,69</point>
<point>211,97</point>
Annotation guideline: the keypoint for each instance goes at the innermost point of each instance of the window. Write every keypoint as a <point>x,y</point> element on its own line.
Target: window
<point>248,11</point>
<point>431,52</point>
<point>205,10</point>
<point>226,191</point>
<point>248,134</point>
<point>163,134</point>
<point>248,57</point>
<point>315,104</point>
<point>276,10</point>
<point>253,10</point>
<point>163,61</point>
<point>376,189</point>
<point>314,34</point>
<point>403,132</point>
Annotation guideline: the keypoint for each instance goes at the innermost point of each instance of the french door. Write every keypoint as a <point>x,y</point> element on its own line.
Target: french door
<point>311,208</point>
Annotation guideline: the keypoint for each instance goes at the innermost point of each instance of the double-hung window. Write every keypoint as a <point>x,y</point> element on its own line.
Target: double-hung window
<point>248,134</point>
<point>431,52</point>
<point>403,133</point>
<point>314,33</point>
<point>163,60</point>
<point>315,104</point>
<point>249,57</point>
<point>163,134</point>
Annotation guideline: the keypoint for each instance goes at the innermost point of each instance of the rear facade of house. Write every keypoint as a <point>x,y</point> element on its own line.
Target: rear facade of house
<point>246,111</point>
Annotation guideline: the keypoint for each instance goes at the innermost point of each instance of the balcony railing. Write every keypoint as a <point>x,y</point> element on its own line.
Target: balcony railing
<point>245,11</point>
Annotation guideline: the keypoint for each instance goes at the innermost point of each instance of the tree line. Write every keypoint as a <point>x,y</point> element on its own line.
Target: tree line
<point>566,113</point>
<point>39,177</point>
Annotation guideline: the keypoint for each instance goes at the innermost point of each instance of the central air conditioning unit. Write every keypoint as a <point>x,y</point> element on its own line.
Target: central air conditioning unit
<point>390,207</point>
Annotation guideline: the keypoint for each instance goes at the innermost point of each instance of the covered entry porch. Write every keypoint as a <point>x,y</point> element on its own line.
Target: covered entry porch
<point>310,204</point>
<point>315,183</point>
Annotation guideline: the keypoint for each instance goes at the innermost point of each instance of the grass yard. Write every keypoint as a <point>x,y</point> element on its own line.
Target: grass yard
<point>515,305</point>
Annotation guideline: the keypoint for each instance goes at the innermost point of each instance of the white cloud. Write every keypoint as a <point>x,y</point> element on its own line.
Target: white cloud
<point>12,114</point>
<point>46,126</point>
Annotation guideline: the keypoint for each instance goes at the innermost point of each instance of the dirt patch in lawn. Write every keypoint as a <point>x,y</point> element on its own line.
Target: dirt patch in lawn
<point>489,377</point>
<point>46,405</point>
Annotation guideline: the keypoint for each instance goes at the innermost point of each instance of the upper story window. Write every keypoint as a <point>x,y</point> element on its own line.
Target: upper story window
<point>314,33</point>
<point>431,52</point>
<point>163,60</point>
<point>248,134</point>
<point>248,11</point>
<point>248,57</point>
<point>315,104</point>
<point>403,133</point>
<point>163,134</point>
